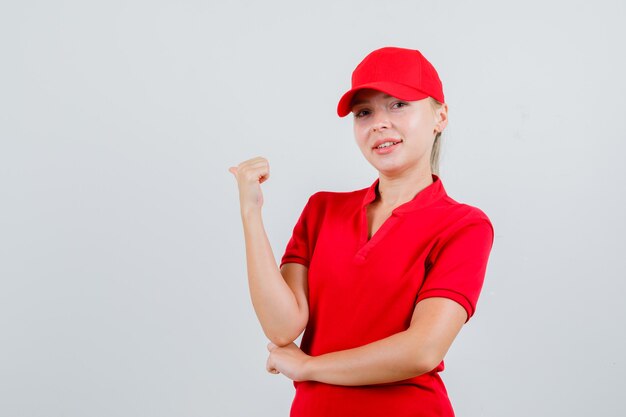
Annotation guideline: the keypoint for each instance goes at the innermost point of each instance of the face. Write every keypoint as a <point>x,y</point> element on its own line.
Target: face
<point>396,136</point>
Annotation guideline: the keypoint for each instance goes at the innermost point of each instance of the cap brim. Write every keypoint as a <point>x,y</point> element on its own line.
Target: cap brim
<point>400,91</point>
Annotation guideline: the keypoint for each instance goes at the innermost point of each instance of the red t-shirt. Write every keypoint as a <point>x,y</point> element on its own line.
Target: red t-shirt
<point>364,290</point>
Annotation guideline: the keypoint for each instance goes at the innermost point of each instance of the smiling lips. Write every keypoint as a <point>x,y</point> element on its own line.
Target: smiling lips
<point>385,145</point>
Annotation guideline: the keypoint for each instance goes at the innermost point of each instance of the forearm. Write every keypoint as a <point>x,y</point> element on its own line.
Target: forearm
<point>394,358</point>
<point>274,302</point>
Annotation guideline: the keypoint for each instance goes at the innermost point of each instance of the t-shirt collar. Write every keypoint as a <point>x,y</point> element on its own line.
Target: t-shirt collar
<point>424,198</point>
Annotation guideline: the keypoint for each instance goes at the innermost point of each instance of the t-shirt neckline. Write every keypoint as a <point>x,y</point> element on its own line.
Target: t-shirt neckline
<point>424,198</point>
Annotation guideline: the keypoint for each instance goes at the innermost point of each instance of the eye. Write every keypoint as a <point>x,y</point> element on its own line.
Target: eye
<point>400,104</point>
<point>361,113</point>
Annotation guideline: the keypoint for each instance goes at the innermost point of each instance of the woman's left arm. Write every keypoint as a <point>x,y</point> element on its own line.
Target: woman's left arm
<point>435,323</point>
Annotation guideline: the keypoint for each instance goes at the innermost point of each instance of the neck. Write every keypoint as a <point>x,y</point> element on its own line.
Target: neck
<point>394,191</point>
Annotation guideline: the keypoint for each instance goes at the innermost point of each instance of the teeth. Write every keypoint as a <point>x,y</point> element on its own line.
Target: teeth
<point>386,144</point>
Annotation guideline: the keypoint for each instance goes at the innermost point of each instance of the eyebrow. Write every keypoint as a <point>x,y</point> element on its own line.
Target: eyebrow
<point>356,102</point>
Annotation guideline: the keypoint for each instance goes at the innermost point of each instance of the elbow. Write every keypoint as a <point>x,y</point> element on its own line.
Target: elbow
<point>425,362</point>
<point>284,338</point>
<point>280,341</point>
<point>285,333</point>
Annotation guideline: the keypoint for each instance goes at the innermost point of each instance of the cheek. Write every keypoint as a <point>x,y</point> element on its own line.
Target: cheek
<point>421,129</point>
<point>360,135</point>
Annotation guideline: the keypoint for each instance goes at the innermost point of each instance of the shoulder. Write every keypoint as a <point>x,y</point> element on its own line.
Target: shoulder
<point>459,216</point>
<point>337,198</point>
<point>462,230</point>
<point>462,211</point>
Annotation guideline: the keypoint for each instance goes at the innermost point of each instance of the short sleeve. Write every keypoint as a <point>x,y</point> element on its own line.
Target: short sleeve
<point>457,270</point>
<point>298,248</point>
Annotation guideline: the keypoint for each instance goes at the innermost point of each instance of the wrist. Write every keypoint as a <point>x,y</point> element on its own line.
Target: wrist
<point>250,213</point>
<point>309,369</point>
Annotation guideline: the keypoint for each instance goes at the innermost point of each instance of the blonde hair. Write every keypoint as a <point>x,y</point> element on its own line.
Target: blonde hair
<point>434,153</point>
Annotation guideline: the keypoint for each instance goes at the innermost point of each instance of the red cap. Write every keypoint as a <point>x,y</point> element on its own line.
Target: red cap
<point>401,73</point>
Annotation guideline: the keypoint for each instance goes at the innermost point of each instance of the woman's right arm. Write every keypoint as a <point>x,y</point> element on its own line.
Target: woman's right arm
<point>279,296</point>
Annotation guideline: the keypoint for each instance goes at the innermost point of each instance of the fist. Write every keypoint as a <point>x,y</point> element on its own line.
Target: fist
<point>250,175</point>
<point>290,361</point>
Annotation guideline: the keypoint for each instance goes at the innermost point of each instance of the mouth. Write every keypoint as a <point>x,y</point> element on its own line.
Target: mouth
<point>387,143</point>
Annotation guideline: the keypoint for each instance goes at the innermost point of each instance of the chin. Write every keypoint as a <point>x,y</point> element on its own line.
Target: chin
<point>389,169</point>
<point>394,168</point>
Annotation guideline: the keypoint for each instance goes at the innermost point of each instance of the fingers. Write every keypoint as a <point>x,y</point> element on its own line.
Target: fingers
<point>249,175</point>
<point>255,169</point>
<point>269,366</point>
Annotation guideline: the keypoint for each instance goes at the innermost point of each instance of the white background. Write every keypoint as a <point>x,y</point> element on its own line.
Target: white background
<point>123,289</point>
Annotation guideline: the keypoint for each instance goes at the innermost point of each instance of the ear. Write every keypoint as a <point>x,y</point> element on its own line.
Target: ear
<point>441,118</point>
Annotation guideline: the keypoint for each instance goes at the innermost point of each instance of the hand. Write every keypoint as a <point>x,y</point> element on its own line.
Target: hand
<point>250,175</point>
<point>288,360</point>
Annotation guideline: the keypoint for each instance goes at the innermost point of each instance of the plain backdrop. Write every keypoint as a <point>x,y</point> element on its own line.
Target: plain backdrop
<point>123,288</point>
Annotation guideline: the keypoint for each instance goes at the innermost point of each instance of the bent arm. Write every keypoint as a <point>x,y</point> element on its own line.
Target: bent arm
<point>415,351</point>
<point>279,297</point>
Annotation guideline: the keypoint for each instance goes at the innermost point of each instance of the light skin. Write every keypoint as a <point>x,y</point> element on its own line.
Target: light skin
<point>280,296</point>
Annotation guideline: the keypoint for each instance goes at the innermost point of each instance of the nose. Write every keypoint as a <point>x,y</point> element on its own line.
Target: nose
<point>380,121</point>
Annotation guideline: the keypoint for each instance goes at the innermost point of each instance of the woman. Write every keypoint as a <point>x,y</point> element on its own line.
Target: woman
<point>381,279</point>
